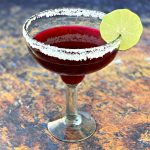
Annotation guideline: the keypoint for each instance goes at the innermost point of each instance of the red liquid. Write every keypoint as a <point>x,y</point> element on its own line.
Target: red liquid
<point>72,72</point>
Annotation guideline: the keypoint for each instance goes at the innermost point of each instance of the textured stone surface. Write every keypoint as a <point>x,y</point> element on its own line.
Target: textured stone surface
<point>118,96</point>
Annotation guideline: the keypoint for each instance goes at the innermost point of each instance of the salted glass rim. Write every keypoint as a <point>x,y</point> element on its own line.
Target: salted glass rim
<point>67,53</point>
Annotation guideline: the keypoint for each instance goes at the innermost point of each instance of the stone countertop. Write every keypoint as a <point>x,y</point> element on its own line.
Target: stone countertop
<point>118,96</point>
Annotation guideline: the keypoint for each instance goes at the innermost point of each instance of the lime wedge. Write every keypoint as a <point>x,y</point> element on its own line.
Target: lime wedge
<point>121,22</point>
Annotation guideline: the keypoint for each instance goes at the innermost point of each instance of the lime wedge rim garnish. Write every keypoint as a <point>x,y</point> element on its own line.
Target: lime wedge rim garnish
<point>124,23</point>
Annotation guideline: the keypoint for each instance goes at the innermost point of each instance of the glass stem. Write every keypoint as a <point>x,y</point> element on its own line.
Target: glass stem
<point>72,116</point>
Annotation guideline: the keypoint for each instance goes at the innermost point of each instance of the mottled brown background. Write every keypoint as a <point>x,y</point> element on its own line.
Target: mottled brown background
<point>118,96</point>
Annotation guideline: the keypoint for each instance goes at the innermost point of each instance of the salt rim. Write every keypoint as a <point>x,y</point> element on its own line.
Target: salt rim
<point>73,38</point>
<point>64,53</point>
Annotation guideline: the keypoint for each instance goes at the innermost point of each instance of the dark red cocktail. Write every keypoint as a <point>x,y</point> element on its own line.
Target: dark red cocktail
<point>72,72</point>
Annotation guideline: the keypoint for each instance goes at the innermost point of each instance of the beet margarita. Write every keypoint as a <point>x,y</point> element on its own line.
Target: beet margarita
<point>67,41</point>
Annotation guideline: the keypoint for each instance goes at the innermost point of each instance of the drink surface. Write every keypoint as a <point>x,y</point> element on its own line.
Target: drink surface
<point>71,37</point>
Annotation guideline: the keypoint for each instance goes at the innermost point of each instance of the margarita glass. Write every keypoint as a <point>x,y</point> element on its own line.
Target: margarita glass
<point>68,41</point>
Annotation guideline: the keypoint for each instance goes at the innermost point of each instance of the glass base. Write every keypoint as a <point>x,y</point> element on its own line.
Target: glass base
<point>82,128</point>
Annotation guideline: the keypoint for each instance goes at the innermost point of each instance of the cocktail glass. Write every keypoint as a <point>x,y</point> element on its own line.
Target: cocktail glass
<point>48,35</point>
